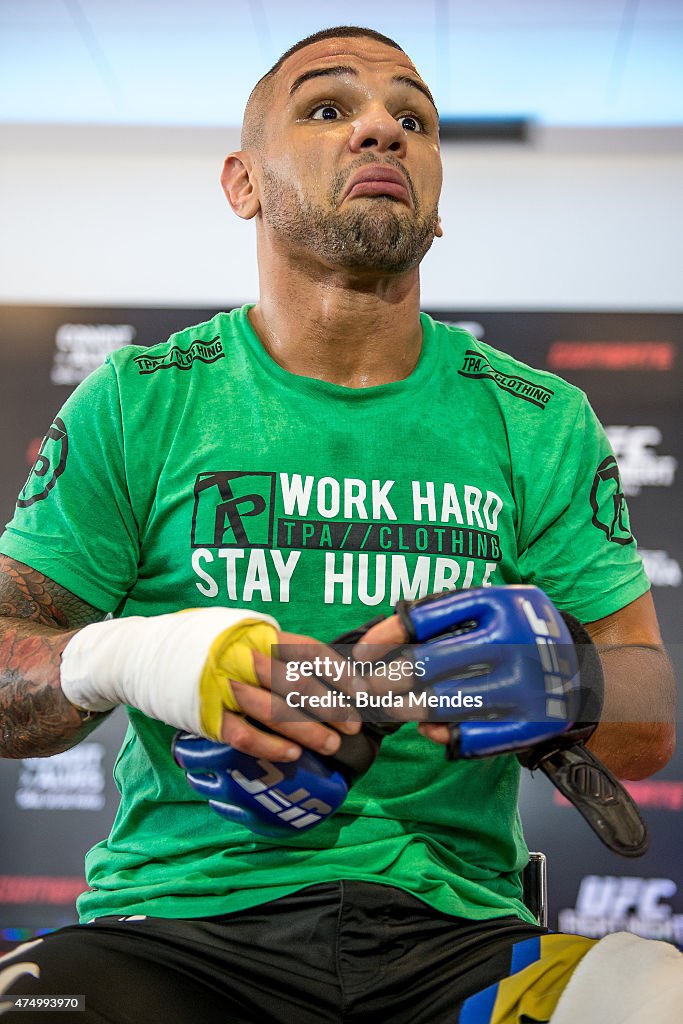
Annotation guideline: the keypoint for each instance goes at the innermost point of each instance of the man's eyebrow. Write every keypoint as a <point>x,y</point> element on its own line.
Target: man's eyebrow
<point>318,73</point>
<point>342,69</point>
<point>420,86</point>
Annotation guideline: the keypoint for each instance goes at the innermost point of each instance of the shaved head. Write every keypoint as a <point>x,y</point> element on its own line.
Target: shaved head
<point>261,95</point>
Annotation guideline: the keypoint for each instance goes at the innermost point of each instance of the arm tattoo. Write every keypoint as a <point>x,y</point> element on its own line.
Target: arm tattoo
<point>37,619</point>
<point>27,594</point>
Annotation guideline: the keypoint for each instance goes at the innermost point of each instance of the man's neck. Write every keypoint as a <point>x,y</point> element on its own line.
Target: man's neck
<point>353,330</point>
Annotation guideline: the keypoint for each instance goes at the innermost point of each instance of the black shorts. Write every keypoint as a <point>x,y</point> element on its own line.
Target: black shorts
<point>342,952</point>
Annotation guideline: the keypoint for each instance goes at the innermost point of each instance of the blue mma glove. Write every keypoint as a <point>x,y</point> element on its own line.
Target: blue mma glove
<point>274,799</point>
<point>271,799</point>
<point>530,673</point>
<point>556,695</point>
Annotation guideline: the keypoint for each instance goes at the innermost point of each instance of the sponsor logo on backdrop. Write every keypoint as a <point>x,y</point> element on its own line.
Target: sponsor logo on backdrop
<point>662,570</point>
<point>81,348</point>
<point>251,530</point>
<point>182,359</point>
<point>478,366</point>
<point>50,463</point>
<point>608,903</point>
<point>658,794</point>
<point>56,889</point>
<point>610,513</point>
<point>73,780</point>
<point>472,327</point>
<point>611,355</point>
<point>639,464</point>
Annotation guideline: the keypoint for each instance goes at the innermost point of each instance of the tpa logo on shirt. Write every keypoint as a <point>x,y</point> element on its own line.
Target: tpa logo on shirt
<point>49,465</point>
<point>182,359</point>
<point>233,509</point>
<point>609,504</point>
<point>478,366</point>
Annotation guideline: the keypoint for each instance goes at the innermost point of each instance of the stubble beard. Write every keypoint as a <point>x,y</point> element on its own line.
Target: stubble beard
<point>373,234</point>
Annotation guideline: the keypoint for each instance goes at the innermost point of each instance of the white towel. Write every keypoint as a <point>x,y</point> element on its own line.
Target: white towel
<point>624,979</point>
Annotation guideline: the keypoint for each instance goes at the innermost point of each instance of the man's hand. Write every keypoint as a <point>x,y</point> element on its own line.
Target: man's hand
<point>386,636</point>
<point>272,798</point>
<point>202,671</point>
<point>264,704</point>
<point>525,672</point>
<point>257,778</point>
<point>635,735</point>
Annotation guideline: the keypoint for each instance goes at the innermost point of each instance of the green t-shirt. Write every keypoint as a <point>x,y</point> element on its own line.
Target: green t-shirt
<point>198,472</point>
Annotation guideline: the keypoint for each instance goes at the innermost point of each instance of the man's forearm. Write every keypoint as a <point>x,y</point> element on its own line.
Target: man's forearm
<point>636,735</point>
<point>36,719</point>
<point>37,620</point>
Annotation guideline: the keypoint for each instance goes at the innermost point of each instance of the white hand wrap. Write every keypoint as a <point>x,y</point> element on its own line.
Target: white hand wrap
<point>154,664</point>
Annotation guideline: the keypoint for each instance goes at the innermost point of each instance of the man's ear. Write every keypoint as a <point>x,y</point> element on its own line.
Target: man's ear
<point>239,186</point>
<point>439,229</point>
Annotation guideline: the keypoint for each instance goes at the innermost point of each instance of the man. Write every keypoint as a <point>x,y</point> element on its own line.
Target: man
<point>296,459</point>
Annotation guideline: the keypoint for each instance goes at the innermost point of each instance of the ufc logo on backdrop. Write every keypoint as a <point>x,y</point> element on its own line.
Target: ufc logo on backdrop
<point>639,464</point>
<point>619,897</point>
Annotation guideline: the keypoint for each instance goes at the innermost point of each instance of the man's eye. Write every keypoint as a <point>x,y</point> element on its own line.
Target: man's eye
<point>410,123</point>
<point>325,113</point>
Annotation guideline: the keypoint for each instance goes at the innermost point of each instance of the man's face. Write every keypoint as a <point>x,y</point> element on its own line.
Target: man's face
<point>350,166</point>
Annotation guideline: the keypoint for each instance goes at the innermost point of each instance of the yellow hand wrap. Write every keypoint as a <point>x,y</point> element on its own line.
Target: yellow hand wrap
<point>230,657</point>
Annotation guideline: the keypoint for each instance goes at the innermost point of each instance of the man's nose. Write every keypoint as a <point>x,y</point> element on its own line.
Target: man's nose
<point>377,129</point>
